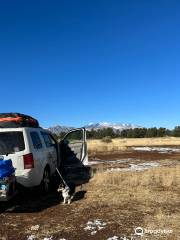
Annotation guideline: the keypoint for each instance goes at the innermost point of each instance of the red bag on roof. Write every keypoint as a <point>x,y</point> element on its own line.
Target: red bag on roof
<point>14,120</point>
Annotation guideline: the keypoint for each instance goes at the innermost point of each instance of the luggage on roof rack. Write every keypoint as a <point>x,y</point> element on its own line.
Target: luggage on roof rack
<point>14,120</point>
<point>6,168</point>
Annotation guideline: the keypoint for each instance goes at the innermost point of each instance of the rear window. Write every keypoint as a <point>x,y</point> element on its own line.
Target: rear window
<point>11,142</point>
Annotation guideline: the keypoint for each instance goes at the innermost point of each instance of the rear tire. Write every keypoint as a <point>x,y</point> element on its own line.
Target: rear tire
<point>46,182</point>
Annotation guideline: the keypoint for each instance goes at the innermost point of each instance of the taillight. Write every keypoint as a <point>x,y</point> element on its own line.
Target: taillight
<point>28,161</point>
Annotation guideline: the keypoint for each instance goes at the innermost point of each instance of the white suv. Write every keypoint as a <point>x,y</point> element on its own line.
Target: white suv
<point>35,154</point>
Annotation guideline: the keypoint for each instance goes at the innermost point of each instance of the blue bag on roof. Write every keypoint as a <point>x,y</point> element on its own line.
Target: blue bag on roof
<point>6,168</point>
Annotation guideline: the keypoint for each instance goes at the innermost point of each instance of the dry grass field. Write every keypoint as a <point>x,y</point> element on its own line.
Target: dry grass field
<point>122,144</point>
<point>114,204</point>
<point>130,188</point>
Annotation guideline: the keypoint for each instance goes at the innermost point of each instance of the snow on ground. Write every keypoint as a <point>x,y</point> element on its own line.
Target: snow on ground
<point>120,161</point>
<point>110,161</point>
<point>157,149</point>
<point>35,228</point>
<point>33,237</point>
<point>132,167</point>
<point>135,167</point>
<point>113,238</point>
<point>94,162</point>
<point>94,226</point>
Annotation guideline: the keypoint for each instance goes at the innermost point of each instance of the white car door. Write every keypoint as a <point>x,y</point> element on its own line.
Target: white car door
<point>74,157</point>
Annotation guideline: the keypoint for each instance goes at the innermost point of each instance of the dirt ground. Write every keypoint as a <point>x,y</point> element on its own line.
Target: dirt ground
<point>92,215</point>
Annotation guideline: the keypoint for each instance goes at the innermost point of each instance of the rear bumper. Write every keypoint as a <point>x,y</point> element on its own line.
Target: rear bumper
<point>28,178</point>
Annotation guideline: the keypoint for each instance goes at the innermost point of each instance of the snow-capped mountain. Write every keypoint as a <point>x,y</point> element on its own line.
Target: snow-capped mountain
<point>115,126</point>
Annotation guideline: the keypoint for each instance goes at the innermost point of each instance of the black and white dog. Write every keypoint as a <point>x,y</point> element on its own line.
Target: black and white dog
<point>68,192</point>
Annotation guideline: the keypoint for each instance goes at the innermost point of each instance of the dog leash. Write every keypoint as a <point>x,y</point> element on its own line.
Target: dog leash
<point>61,177</point>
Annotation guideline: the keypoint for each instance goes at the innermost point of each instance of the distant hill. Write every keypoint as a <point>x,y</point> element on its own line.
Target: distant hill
<point>58,129</point>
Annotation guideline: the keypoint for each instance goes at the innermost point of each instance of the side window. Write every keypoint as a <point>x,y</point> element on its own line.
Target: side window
<point>75,136</point>
<point>47,139</point>
<point>36,140</point>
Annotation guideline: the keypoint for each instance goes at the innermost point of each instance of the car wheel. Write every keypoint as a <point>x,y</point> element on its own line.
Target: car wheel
<point>45,184</point>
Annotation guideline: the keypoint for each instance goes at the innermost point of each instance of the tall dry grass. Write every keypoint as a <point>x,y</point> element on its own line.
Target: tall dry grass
<point>120,144</point>
<point>154,192</point>
<point>164,177</point>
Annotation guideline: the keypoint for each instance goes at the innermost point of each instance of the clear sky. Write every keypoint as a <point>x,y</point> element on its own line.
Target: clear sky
<point>73,62</point>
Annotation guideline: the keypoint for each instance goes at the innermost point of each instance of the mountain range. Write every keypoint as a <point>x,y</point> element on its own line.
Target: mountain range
<point>96,126</point>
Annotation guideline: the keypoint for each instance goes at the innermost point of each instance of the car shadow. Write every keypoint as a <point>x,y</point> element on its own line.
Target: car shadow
<point>31,201</point>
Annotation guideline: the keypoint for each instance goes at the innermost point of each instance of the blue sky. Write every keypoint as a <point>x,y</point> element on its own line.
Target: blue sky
<point>73,62</point>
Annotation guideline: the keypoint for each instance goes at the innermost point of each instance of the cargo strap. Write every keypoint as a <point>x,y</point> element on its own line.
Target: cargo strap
<point>16,119</point>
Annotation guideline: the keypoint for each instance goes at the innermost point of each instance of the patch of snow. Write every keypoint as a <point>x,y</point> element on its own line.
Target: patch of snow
<point>31,237</point>
<point>35,228</point>
<point>105,124</point>
<point>93,233</point>
<point>135,167</point>
<point>157,149</point>
<point>99,227</point>
<point>48,238</point>
<point>146,149</point>
<point>91,123</point>
<point>144,166</point>
<point>120,161</point>
<point>113,238</point>
<point>95,226</point>
<point>110,161</point>
<point>94,162</point>
<point>89,227</point>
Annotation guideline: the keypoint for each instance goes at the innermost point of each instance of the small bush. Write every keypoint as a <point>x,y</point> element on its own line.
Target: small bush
<point>107,139</point>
